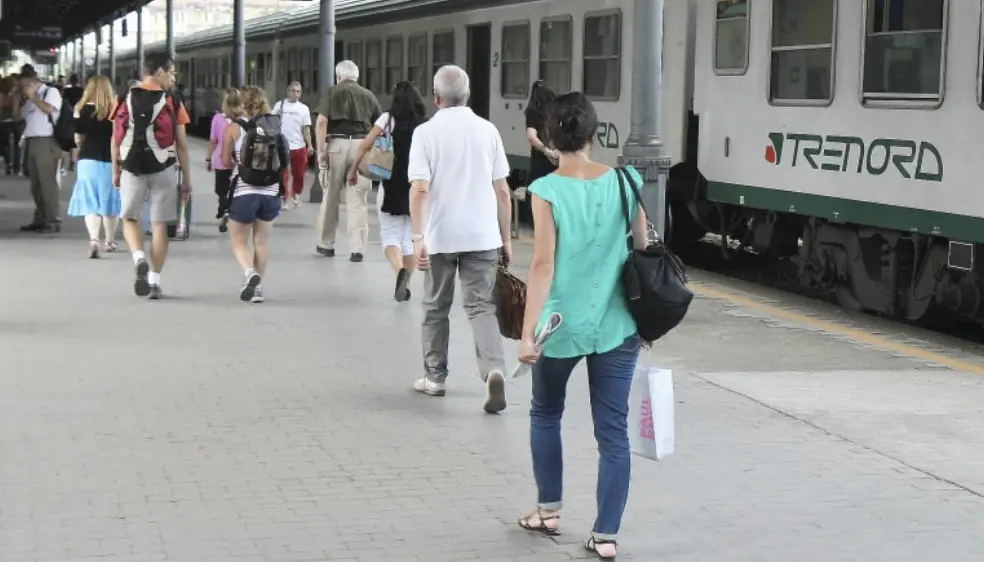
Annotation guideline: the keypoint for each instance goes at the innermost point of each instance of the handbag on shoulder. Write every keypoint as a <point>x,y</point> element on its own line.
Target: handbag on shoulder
<point>377,164</point>
<point>654,279</point>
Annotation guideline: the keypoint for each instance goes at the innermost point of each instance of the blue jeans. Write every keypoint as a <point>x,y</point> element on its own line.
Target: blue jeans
<point>609,379</point>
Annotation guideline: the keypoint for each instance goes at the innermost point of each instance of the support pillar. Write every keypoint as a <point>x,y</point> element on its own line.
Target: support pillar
<point>644,147</point>
<point>80,62</point>
<point>97,58</point>
<point>140,44</point>
<point>169,18</point>
<point>238,44</point>
<point>326,74</point>
<point>112,53</point>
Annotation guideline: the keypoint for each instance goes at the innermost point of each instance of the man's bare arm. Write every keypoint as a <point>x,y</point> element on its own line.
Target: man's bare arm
<point>504,206</point>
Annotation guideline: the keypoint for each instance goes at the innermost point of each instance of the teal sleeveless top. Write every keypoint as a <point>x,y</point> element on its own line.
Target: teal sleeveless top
<point>591,250</point>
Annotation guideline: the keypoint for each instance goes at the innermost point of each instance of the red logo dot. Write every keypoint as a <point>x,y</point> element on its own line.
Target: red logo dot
<point>770,155</point>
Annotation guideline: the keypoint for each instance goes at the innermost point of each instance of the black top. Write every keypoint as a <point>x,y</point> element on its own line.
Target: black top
<point>396,199</point>
<point>540,165</point>
<point>72,94</point>
<point>97,135</point>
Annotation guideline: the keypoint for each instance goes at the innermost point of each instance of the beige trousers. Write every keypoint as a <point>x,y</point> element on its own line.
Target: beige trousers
<point>341,153</point>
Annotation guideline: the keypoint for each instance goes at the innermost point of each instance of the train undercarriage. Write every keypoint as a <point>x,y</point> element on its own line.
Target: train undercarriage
<point>905,276</point>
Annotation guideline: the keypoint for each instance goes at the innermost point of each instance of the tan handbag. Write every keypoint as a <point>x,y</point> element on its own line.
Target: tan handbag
<point>377,164</point>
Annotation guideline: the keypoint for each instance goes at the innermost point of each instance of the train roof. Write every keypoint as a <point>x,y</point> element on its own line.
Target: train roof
<point>306,19</point>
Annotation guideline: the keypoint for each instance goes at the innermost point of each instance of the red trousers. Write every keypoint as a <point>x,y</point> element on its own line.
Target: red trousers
<point>298,166</point>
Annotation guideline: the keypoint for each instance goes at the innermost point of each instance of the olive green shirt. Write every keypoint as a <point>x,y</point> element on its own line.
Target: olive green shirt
<point>349,108</point>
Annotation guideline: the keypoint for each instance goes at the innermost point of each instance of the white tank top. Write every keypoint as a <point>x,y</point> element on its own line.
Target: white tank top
<point>243,188</point>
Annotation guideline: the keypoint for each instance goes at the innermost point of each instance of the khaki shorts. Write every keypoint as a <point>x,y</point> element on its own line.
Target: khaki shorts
<point>160,188</point>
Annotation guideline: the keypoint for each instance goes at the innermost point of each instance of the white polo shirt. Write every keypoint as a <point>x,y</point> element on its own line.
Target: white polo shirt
<point>36,123</point>
<point>460,154</point>
<point>295,116</point>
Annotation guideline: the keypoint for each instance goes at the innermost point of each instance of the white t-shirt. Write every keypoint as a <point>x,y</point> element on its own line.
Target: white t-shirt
<point>295,116</point>
<point>460,154</point>
<point>385,124</point>
<point>36,122</point>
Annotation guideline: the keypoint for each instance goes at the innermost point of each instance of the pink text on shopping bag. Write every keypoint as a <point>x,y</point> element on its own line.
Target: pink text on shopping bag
<point>646,430</point>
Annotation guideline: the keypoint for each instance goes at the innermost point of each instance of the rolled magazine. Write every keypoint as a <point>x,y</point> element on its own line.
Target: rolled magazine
<point>549,327</point>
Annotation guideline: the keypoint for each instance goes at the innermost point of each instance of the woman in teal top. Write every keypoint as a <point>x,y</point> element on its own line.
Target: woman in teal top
<point>579,249</point>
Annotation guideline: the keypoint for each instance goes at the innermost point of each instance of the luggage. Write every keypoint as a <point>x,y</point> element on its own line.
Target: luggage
<point>653,280</point>
<point>64,126</point>
<point>263,153</point>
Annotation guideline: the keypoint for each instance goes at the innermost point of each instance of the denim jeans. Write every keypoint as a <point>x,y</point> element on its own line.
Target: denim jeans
<point>609,379</point>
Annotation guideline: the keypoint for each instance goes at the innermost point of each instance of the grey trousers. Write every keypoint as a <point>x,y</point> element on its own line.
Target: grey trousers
<point>41,161</point>
<point>477,271</point>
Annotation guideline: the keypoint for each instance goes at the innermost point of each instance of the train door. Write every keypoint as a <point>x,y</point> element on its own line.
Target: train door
<point>479,68</point>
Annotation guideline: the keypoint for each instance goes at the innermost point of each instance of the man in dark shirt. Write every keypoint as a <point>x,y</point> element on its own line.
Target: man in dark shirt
<point>72,94</point>
<point>346,114</point>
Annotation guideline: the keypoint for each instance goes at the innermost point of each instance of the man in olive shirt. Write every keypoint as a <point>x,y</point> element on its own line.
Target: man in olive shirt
<point>345,116</point>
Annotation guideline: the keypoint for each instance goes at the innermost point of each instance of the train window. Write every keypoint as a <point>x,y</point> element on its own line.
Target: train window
<point>903,51</point>
<point>443,50</point>
<point>555,53</point>
<point>269,66</point>
<point>315,86</point>
<point>394,62</point>
<point>292,64</point>
<point>731,37</point>
<point>515,60</point>
<point>802,63</point>
<point>374,65</point>
<point>355,53</point>
<point>602,56</point>
<point>305,73</point>
<point>281,65</point>
<point>417,62</point>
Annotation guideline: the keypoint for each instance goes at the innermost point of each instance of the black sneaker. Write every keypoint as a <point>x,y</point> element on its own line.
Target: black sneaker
<point>402,293</point>
<point>355,258</point>
<point>249,287</point>
<point>224,224</point>
<point>326,252</point>
<point>33,227</point>
<point>155,292</point>
<point>50,228</point>
<point>141,287</point>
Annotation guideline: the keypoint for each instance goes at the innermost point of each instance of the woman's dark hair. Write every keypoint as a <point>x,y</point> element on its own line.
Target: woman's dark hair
<point>571,122</point>
<point>407,108</point>
<point>540,98</point>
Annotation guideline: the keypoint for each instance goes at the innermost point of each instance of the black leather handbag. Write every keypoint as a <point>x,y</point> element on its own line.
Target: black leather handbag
<point>654,280</point>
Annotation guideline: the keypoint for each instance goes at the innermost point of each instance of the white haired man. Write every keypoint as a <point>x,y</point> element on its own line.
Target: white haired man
<point>460,215</point>
<point>345,116</point>
<point>296,127</point>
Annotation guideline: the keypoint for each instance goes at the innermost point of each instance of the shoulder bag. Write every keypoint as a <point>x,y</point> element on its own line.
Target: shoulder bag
<point>377,164</point>
<point>654,280</point>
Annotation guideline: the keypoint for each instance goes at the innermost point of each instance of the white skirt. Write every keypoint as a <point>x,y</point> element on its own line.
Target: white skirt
<point>394,230</point>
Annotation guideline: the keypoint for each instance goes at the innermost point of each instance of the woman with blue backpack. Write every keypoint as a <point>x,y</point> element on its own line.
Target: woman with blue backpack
<point>254,148</point>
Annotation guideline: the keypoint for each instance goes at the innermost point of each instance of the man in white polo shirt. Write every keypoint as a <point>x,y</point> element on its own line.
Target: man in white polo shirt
<point>460,214</point>
<point>296,127</point>
<point>42,151</point>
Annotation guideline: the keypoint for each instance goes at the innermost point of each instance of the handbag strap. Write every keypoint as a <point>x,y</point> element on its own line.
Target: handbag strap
<point>652,236</point>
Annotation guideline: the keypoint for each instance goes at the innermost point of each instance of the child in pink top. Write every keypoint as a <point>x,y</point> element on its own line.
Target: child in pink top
<point>231,109</point>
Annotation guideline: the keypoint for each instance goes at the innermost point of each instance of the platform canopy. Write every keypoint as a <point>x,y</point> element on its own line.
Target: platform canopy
<point>44,24</point>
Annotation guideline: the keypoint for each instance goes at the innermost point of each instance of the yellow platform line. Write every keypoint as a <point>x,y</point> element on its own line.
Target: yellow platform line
<point>858,335</point>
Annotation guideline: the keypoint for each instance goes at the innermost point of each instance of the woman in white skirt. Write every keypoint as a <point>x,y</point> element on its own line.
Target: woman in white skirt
<point>94,196</point>
<point>393,200</point>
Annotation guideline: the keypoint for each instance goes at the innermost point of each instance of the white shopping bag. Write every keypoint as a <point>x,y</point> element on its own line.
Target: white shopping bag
<point>651,432</point>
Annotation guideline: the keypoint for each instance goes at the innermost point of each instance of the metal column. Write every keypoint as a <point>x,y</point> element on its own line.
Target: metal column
<point>80,62</point>
<point>326,74</point>
<point>644,147</point>
<point>99,40</point>
<point>169,18</point>
<point>140,45</point>
<point>112,53</point>
<point>238,44</point>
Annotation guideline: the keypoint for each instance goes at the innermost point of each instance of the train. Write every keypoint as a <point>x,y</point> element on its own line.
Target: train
<point>832,136</point>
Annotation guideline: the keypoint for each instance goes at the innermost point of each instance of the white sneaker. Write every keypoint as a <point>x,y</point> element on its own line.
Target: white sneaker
<point>285,205</point>
<point>295,201</point>
<point>495,392</point>
<point>429,387</point>
<point>257,295</point>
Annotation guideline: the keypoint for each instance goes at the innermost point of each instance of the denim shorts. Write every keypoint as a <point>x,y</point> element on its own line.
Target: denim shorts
<point>252,207</point>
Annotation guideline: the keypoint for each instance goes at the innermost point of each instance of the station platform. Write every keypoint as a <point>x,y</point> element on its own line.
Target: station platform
<point>199,428</point>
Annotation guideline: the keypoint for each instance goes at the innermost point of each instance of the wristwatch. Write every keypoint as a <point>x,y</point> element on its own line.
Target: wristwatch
<point>416,237</point>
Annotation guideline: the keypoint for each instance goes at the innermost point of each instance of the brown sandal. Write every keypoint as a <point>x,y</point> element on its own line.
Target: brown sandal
<point>592,545</point>
<point>527,523</point>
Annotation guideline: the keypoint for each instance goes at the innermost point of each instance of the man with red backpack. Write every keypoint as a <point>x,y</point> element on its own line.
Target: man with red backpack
<point>147,128</point>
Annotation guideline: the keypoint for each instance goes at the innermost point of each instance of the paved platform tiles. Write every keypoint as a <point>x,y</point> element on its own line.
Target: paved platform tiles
<point>200,429</point>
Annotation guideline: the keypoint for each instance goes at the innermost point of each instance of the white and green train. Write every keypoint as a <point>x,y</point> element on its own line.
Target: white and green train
<point>832,133</point>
